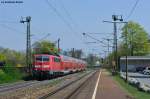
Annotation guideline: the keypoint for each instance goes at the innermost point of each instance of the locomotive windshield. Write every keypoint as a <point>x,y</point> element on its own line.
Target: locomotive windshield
<point>42,58</point>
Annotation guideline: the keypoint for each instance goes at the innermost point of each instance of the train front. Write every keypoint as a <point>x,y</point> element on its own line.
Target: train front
<point>41,64</point>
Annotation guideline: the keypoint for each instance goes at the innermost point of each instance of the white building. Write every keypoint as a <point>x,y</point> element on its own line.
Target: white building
<point>134,62</point>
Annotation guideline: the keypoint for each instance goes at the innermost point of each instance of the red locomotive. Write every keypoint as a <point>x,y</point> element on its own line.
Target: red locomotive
<point>49,65</point>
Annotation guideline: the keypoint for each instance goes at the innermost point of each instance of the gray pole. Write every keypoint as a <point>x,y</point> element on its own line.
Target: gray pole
<point>115,42</point>
<point>28,44</point>
<point>28,19</point>
<point>58,45</point>
<point>132,53</point>
<point>115,19</point>
<point>108,51</point>
<point>27,47</point>
<point>73,52</point>
<point>126,54</point>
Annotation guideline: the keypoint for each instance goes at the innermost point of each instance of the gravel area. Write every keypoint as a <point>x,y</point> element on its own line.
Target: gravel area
<point>34,91</point>
<point>69,90</point>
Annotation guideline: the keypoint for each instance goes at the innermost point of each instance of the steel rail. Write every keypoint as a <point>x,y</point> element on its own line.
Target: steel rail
<point>65,86</point>
<point>79,87</point>
<point>16,86</point>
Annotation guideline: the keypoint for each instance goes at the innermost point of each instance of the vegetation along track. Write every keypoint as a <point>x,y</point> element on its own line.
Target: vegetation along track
<point>69,84</point>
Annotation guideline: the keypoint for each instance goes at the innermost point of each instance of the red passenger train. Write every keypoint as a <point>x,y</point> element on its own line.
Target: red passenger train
<point>48,65</point>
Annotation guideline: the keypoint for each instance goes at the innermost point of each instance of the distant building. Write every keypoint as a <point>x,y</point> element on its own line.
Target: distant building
<point>134,62</point>
<point>97,63</point>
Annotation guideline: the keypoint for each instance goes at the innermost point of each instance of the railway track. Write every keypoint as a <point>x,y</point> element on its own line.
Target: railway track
<point>58,91</point>
<point>27,84</point>
<point>16,86</point>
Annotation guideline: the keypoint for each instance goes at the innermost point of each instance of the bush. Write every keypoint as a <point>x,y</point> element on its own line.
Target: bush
<point>10,74</point>
<point>1,72</point>
<point>4,78</point>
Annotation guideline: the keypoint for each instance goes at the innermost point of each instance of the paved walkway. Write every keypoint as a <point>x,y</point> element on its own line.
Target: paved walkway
<point>109,89</point>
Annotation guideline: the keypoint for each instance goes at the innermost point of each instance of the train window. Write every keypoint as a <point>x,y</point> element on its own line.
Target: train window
<point>56,60</point>
<point>39,58</point>
<point>42,58</point>
<point>45,58</point>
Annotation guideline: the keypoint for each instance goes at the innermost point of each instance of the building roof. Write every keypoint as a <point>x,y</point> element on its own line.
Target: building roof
<point>135,57</point>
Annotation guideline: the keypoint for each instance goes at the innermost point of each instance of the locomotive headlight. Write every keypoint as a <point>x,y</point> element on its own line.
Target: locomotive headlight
<point>36,66</point>
<point>45,66</point>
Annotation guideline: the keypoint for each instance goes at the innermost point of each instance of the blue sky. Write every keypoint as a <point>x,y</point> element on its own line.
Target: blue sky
<point>84,16</point>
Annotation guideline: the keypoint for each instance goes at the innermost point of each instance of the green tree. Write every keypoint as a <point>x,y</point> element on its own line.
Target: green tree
<point>137,40</point>
<point>12,57</point>
<point>2,57</point>
<point>44,47</point>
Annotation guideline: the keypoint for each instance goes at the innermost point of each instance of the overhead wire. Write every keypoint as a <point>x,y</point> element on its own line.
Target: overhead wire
<point>78,35</point>
<point>130,13</point>
<point>11,22</point>
<point>70,17</point>
<point>95,39</point>
<point>3,24</point>
<point>67,13</point>
<point>60,16</point>
<point>38,40</point>
<point>133,9</point>
<point>10,28</point>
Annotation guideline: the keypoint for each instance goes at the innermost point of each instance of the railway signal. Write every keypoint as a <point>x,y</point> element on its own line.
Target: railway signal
<point>116,19</point>
<point>119,18</point>
<point>28,44</point>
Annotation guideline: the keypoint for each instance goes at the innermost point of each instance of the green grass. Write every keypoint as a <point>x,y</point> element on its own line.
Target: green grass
<point>131,89</point>
<point>9,75</point>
